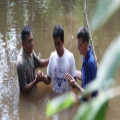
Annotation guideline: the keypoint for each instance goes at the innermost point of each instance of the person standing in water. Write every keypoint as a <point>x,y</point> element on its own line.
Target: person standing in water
<point>61,62</point>
<point>27,62</point>
<point>89,69</point>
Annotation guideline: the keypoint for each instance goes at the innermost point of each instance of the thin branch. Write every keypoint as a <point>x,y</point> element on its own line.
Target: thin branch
<point>84,11</point>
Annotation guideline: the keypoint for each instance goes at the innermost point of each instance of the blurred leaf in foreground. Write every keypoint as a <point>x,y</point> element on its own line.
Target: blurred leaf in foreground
<point>92,110</point>
<point>107,69</point>
<point>95,109</point>
<point>60,103</point>
<point>103,11</point>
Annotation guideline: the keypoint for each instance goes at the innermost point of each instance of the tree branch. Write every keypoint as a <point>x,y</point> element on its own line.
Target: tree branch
<point>84,11</point>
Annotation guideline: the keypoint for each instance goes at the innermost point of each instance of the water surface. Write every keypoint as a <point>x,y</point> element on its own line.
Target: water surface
<point>42,16</point>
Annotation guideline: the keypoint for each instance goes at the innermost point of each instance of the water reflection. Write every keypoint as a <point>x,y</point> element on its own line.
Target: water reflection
<point>8,55</point>
<point>8,101</point>
<point>42,16</point>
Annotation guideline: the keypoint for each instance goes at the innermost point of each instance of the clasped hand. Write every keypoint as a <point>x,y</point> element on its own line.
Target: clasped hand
<point>39,76</point>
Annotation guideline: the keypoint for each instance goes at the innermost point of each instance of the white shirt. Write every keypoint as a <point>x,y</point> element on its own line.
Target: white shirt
<point>58,67</point>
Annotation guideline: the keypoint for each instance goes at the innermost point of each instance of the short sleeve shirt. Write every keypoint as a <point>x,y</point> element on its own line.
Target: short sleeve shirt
<point>26,68</point>
<point>89,70</point>
<point>58,67</point>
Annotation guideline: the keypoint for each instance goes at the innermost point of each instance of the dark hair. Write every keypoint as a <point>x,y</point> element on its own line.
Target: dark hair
<point>83,34</point>
<point>58,31</point>
<point>26,31</point>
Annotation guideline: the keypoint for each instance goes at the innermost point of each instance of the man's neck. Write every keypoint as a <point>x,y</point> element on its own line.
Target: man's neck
<point>62,52</point>
<point>84,55</point>
<point>27,53</point>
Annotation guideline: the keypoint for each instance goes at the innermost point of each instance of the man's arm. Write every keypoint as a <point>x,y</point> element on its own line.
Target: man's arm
<point>29,87</point>
<point>72,82</point>
<point>75,80</point>
<point>46,79</point>
<point>39,78</point>
<point>79,75</point>
<point>44,62</point>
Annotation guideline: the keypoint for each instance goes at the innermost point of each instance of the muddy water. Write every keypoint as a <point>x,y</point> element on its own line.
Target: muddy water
<point>42,16</point>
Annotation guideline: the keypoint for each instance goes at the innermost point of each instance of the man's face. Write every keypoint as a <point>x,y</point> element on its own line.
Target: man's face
<point>80,46</point>
<point>58,45</point>
<point>28,44</point>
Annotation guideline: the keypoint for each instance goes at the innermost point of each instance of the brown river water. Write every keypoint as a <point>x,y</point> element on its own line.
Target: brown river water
<point>42,16</point>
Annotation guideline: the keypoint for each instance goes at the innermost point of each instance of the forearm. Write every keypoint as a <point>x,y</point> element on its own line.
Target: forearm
<point>46,80</point>
<point>29,87</point>
<point>75,80</point>
<point>44,62</point>
<point>79,75</point>
<point>79,88</point>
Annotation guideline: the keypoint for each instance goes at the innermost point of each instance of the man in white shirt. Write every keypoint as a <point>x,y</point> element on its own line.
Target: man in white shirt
<point>61,62</point>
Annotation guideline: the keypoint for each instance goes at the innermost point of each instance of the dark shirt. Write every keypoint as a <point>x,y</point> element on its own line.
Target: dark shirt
<point>26,68</point>
<point>89,71</point>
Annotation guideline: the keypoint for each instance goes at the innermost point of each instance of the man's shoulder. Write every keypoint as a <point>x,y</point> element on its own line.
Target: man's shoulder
<point>53,54</point>
<point>68,53</point>
<point>91,59</point>
<point>20,60</point>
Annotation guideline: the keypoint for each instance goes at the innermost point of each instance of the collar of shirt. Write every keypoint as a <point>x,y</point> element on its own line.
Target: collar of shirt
<point>87,56</point>
<point>23,53</point>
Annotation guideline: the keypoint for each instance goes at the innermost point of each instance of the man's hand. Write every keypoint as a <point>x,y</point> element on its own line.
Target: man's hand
<point>71,80</point>
<point>39,76</point>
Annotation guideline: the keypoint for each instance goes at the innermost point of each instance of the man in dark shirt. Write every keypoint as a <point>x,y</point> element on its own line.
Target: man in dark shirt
<point>89,69</point>
<point>27,62</point>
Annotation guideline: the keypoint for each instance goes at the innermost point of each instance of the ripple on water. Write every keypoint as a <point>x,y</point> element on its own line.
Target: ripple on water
<point>8,56</point>
<point>9,100</point>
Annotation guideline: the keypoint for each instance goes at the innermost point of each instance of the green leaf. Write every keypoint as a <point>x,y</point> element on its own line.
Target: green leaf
<point>94,109</point>
<point>107,68</point>
<point>60,103</point>
<point>103,11</point>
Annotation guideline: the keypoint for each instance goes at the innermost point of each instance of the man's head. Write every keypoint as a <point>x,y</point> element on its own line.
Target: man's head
<point>58,36</point>
<point>27,40</point>
<point>83,40</point>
